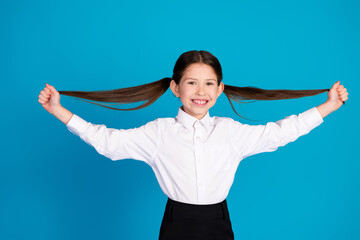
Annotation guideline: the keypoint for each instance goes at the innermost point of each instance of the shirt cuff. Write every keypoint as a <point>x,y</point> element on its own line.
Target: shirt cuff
<point>77,125</point>
<point>312,118</point>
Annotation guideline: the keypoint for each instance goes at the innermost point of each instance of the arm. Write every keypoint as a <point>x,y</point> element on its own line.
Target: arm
<point>63,114</point>
<point>253,139</point>
<point>336,98</point>
<point>138,143</point>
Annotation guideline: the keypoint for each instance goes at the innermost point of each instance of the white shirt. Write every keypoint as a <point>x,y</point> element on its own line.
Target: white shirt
<point>194,160</point>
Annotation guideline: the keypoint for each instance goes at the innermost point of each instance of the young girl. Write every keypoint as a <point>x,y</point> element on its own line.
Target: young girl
<point>194,156</point>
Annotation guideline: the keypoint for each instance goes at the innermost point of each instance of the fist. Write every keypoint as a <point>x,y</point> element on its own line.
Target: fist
<point>49,98</point>
<point>337,95</point>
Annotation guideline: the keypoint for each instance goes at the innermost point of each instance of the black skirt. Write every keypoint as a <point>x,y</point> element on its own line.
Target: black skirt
<point>184,221</point>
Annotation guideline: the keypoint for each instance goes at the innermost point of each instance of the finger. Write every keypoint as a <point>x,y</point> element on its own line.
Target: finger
<point>42,93</point>
<point>47,91</point>
<point>335,85</point>
<point>52,89</point>
<point>343,95</point>
<point>41,101</point>
<point>339,88</point>
<point>343,100</point>
<point>43,98</point>
<point>343,91</point>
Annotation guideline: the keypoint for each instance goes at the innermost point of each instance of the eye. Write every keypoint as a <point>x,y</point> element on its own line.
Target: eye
<point>210,83</point>
<point>191,82</point>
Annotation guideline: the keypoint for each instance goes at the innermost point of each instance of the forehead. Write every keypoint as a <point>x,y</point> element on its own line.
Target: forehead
<point>199,71</point>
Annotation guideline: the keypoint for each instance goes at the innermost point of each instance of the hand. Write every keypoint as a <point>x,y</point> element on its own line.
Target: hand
<point>337,96</point>
<point>49,98</point>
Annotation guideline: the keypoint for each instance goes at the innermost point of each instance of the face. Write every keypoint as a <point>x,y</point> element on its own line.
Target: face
<point>198,89</point>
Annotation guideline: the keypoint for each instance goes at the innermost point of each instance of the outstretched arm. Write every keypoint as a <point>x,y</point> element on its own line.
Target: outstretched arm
<point>336,98</point>
<point>137,143</point>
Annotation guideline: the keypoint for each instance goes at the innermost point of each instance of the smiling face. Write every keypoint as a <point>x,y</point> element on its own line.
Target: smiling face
<point>198,89</point>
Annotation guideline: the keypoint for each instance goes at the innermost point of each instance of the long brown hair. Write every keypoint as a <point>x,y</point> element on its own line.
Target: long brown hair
<point>150,92</point>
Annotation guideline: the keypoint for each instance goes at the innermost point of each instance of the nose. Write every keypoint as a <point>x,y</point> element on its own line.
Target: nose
<point>200,90</point>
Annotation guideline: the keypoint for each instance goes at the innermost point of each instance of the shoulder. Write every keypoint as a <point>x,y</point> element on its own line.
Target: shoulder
<point>160,122</point>
<point>152,128</point>
<point>224,124</point>
<point>224,121</point>
<point>233,125</point>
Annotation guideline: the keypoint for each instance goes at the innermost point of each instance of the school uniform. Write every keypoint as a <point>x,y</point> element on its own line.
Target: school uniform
<point>194,161</point>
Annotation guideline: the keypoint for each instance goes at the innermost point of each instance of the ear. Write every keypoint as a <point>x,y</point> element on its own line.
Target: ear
<point>220,88</point>
<point>174,88</point>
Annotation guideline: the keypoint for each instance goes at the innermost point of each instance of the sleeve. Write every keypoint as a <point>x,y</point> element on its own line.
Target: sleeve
<point>136,143</point>
<point>249,140</point>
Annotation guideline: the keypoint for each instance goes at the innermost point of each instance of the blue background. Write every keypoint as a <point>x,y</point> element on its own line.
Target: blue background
<point>55,186</point>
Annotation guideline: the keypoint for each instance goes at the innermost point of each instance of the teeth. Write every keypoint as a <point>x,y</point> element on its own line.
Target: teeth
<point>199,102</point>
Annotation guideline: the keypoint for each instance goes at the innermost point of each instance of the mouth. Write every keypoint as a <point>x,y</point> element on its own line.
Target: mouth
<point>200,102</point>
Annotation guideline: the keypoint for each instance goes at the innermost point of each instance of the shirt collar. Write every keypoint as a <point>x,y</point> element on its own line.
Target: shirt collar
<point>188,121</point>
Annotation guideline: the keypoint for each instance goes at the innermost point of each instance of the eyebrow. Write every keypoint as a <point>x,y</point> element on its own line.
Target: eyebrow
<point>197,79</point>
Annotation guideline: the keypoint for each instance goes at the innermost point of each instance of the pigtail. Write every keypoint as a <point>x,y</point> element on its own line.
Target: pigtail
<point>150,92</point>
<point>244,94</point>
<point>147,92</point>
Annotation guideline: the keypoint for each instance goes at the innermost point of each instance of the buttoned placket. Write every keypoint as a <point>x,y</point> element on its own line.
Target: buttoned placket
<point>199,137</point>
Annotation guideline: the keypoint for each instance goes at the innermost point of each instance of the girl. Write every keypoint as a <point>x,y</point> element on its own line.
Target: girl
<point>194,156</point>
